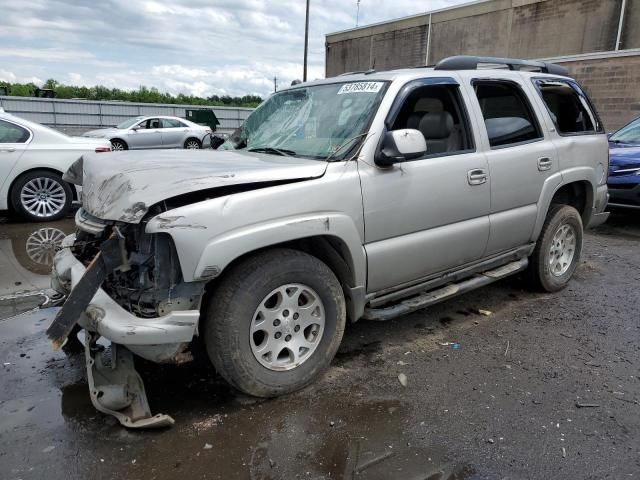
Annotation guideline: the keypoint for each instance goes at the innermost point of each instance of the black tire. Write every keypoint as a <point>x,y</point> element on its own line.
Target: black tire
<point>24,182</point>
<point>539,272</point>
<point>190,143</point>
<point>230,313</point>
<point>117,145</point>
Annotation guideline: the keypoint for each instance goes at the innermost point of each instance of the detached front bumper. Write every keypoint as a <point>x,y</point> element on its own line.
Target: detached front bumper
<point>161,339</point>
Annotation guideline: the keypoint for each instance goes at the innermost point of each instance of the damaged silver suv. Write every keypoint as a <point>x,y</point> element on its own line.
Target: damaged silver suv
<point>365,196</point>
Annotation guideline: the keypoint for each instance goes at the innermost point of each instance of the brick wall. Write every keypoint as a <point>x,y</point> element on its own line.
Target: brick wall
<point>612,85</point>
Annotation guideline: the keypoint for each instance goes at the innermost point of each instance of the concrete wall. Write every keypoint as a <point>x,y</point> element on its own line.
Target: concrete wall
<point>75,117</point>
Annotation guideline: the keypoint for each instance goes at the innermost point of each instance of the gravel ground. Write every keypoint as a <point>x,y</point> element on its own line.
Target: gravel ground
<point>545,386</point>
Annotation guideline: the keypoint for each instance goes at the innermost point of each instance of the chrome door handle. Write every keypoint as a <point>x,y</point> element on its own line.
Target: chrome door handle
<point>544,163</point>
<point>8,150</point>
<point>477,176</point>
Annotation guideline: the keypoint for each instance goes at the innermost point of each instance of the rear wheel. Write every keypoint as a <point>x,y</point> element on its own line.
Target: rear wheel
<point>117,144</point>
<point>41,196</point>
<point>557,252</point>
<point>192,144</point>
<point>275,322</point>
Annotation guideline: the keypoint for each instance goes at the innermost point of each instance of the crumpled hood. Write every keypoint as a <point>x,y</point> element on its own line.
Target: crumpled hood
<point>121,186</point>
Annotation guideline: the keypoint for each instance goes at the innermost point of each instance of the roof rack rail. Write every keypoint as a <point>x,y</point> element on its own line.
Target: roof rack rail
<point>469,62</point>
<point>365,72</point>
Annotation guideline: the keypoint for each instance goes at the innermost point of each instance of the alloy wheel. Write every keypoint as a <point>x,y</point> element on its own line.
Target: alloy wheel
<point>43,197</point>
<point>562,250</point>
<point>287,327</point>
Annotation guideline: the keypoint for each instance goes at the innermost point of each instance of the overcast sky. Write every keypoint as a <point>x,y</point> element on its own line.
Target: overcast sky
<point>200,47</point>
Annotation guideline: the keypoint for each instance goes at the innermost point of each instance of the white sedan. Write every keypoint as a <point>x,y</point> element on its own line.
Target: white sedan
<point>33,159</point>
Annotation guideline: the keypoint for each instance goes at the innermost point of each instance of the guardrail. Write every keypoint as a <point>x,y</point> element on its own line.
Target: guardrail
<point>77,116</point>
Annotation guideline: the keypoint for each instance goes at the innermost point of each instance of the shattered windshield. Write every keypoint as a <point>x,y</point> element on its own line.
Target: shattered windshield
<point>322,121</point>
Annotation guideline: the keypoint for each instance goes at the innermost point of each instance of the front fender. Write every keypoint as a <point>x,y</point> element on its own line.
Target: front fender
<point>220,251</point>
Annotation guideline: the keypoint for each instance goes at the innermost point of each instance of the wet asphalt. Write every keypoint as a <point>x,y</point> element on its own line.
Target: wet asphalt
<point>545,386</point>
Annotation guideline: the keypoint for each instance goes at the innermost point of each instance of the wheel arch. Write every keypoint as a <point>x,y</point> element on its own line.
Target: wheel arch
<point>578,194</point>
<point>329,249</point>
<point>574,188</point>
<point>111,140</point>
<point>34,169</point>
<point>184,144</point>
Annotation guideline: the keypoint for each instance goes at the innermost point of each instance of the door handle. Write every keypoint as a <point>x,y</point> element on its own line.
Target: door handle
<point>544,163</point>
<point>8,150</point>
<point>477,176</point>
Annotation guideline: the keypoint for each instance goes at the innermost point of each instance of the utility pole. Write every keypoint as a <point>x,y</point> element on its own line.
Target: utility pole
<point>357,12</point>
<point>306,44</point>
<point>275,84</point>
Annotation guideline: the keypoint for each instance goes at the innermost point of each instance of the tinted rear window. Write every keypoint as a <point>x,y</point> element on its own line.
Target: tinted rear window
<point>507,113</point>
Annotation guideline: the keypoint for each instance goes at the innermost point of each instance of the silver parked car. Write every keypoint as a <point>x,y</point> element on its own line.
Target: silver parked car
<point>155,132</point>
<point>365,196</point>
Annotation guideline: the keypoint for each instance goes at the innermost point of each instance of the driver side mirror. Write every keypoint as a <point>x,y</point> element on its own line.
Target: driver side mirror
<point>401,145</point>
<point>135,128</point>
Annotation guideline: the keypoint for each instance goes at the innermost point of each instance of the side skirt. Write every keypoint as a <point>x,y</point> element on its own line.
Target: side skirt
<point>432,297</point>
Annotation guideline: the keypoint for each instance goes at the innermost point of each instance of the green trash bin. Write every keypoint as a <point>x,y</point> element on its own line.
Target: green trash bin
<point>203,116</point>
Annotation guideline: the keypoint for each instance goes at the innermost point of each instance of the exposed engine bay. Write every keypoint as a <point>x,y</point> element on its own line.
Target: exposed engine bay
<point>146,280</point>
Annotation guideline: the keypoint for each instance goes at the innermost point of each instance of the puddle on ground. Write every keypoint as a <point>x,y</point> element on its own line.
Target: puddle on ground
<point>26,255</point>
<point>49,427</point>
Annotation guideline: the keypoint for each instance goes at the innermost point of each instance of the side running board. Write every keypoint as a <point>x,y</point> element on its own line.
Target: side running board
<point>432,297</point>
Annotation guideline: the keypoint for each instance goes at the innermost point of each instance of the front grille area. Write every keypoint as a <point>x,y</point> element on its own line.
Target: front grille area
<point>149,282</point>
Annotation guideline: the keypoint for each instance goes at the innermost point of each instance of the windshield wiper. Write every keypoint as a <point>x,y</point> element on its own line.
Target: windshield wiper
<point>277,151</point>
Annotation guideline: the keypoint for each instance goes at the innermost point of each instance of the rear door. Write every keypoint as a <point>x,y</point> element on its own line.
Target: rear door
<point>429,214</point>
<point>14,140</point>
<point>173,133</point>
<point>521,157</point>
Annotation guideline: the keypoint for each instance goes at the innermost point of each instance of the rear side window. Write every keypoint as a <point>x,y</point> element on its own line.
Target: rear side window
<point>172,123</point>
<point>11,133</point>
<point>569,107</point>
<point>507,113</point>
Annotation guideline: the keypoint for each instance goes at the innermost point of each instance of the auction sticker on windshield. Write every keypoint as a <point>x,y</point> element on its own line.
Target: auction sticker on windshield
<point>361,87</point>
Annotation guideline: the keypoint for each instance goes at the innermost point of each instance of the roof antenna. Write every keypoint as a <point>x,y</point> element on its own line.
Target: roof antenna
<point>357,12</point>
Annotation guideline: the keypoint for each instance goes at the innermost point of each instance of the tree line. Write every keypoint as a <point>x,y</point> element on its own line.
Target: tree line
<point>143,94</point>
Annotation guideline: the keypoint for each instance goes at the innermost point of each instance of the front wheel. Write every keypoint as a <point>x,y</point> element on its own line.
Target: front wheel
<point>275,322</point>
<point>556,256</point>
<point>118,145</point>
<point>192,144</point>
